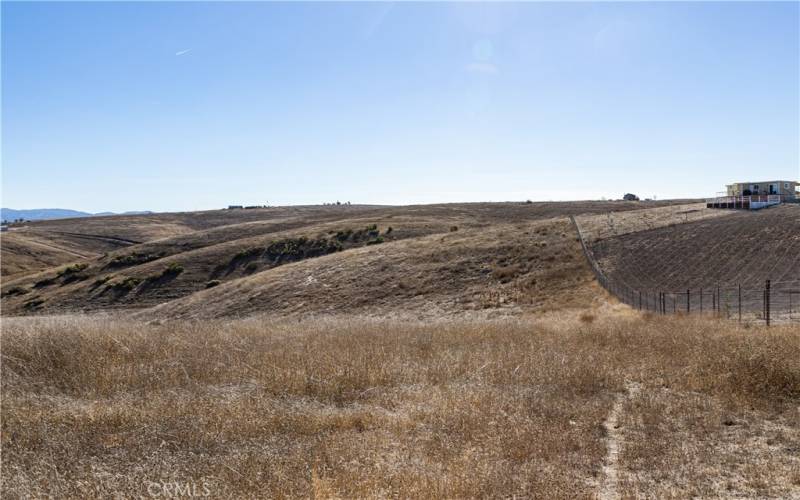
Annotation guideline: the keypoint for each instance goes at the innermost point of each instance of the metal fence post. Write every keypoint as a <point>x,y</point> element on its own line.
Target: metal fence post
<point>713,301</point>
<point>767,300</point>
<point>740,302</point>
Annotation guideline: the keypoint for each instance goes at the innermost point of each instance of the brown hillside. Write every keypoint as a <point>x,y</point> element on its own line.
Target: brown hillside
<point>743,247</point>
<point>511,267</point>
<point>146,260</point>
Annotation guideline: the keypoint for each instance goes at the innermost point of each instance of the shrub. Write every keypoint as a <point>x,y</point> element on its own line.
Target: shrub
<point>133,259</point>
<point>44,282</point>
<point>173,269</point>
<point>389,230</point>
<point>16,290</point>
<point>344,235</point>
<point>367,233</point>
<point>34,303</point>
<point>212,283</point>
<point>69,278</point>
<point>73,269</point>
<point>453,229</point>
<point>250,252</point>
<point>506,273</point>
<point>375,241</point>
<point>126,285</point>
<point>104,279</point>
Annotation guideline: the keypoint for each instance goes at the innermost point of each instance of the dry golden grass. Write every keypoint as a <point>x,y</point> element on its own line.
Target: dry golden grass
<point>355,407</point>
<point>202,241</point>
<point>608,225</point>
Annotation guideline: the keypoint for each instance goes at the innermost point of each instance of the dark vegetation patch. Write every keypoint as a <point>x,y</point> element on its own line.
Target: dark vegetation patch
<point>506,273</point>
<point>34,303</point>
<point>288,250</point>
<point>168,273</point>
<point>70,278</point>
<point>213,283</point>
<point>15,290</point>
<point>66,275</point>
<point>133,259</point>
<point>45,282</point>
<point>102,281</point>
<point>71,270</point>
<point>367,233</point>
<point>125,285</point>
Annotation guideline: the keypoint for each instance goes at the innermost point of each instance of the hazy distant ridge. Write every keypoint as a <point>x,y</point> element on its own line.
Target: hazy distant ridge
<point>11,214</point>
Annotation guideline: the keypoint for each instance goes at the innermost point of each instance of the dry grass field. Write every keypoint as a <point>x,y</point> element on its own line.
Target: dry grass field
<point>302,352</point>
<point>596,227</point>
<point>358,407</point>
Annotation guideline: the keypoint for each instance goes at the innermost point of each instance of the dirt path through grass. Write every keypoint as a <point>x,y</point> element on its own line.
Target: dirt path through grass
<point>609,485</point>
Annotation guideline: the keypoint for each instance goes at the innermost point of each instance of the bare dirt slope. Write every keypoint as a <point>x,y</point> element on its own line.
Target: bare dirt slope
<point>155,259</point>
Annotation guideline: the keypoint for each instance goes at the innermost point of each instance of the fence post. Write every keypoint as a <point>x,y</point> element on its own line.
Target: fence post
<point>766,301</point>
<point>688,300</point>
<point>701,300</point>
<point>740,302</point>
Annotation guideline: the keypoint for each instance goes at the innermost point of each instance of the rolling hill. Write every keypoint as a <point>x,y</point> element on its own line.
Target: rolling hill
<point>291,260</point>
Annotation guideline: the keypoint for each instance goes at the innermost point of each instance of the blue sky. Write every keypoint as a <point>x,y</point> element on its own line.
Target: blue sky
<point>185,106</point>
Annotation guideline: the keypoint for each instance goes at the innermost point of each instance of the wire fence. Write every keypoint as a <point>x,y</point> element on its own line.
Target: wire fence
<point>770,302</point>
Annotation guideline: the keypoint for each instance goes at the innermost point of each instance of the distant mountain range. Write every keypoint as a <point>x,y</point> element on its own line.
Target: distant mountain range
<point>9,214</point>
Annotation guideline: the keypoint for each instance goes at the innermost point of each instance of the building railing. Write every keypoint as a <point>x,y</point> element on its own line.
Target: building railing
<point>754,198</point>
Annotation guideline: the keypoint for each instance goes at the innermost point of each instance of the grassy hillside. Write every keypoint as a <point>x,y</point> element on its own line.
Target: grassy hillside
<point>133,262</point>
<point>504,267</point>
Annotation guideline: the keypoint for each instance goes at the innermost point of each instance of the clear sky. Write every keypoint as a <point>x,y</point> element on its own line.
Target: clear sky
<point>184,106</point>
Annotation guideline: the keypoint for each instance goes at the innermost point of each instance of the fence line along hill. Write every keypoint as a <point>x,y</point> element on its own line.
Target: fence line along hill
<point>719,263</point>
